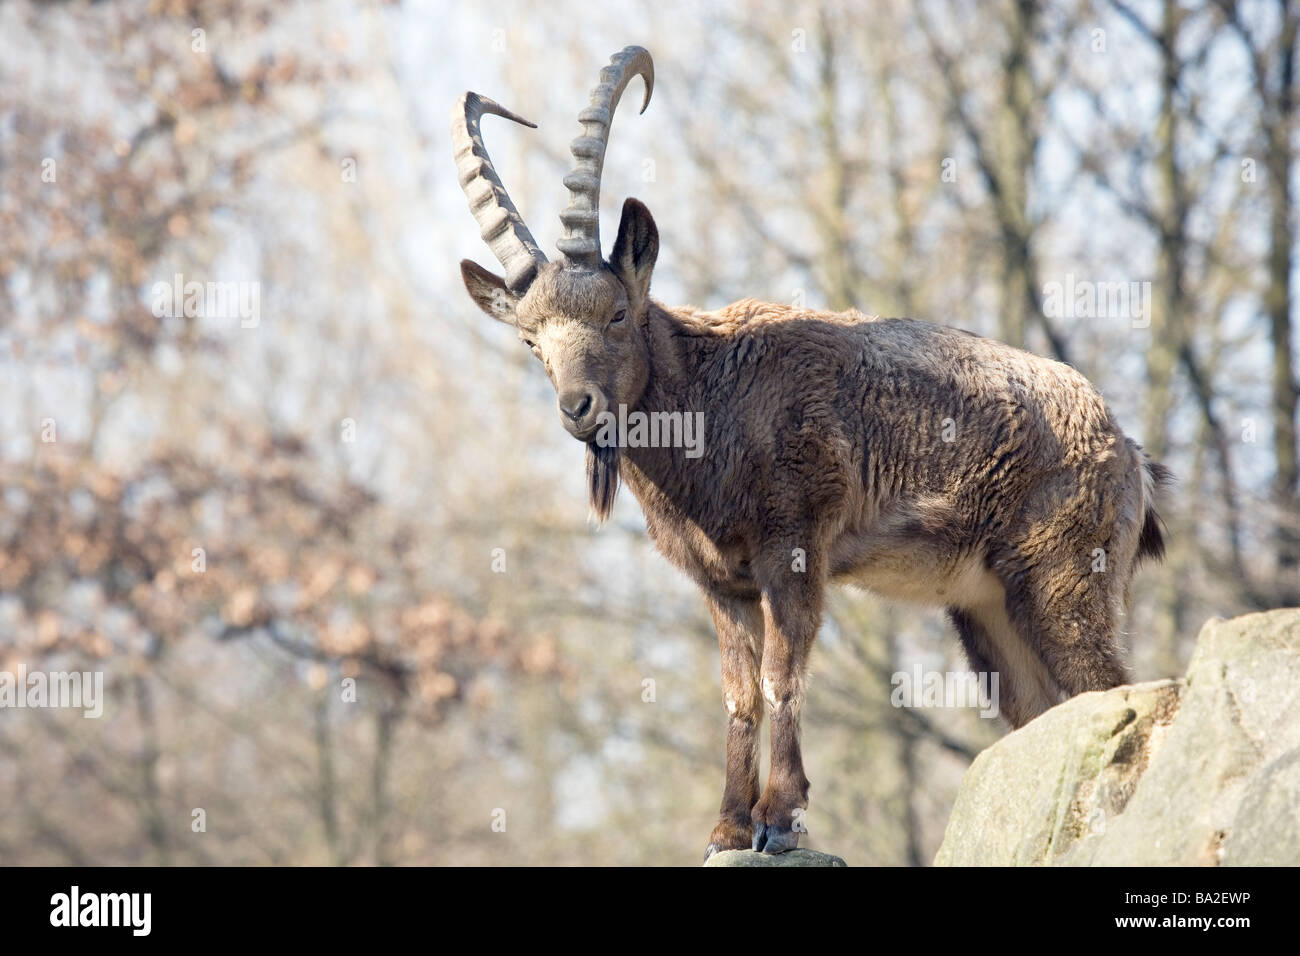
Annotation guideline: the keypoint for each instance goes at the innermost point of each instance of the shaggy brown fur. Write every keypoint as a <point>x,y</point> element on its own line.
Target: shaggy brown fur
<point>925,463</point>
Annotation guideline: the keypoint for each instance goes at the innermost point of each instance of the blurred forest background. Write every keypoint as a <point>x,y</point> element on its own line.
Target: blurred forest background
<point>232,519</point>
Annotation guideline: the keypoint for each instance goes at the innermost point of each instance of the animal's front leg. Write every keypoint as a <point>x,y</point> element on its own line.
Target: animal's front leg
<point>740,639</point>
<point>791,615</point>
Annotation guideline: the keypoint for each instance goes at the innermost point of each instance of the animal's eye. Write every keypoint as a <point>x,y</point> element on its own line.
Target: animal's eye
<point>530,343</point>
<point>619,316</point>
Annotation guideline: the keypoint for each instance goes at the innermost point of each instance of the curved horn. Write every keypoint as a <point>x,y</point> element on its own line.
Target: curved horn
<point>500,224</point>
<point>581,242</point>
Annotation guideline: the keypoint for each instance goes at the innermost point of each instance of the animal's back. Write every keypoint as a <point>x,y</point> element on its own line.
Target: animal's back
<point>931,406</point>
<point>960,447</point>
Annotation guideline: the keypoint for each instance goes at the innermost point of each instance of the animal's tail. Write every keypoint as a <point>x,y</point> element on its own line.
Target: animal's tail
<point>1155,476</point>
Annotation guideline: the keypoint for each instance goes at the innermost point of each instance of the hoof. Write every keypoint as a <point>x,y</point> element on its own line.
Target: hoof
<point>773,838</point>
<point>729,834</point>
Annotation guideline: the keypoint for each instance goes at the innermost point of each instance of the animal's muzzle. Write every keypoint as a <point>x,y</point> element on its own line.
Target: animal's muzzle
<point>580,410</point>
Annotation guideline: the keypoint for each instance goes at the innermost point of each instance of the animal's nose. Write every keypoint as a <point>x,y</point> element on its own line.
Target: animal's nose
<point>576,403</point>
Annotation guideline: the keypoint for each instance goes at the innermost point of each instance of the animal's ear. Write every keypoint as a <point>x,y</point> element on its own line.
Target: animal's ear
<point>635,251</point>
<point>489,291</point>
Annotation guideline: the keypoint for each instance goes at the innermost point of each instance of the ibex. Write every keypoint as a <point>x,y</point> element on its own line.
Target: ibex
<point>924,463</point>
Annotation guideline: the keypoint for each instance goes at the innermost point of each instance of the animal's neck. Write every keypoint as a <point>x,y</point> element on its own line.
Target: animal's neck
<point>679,346</point>
<point>681,349</point>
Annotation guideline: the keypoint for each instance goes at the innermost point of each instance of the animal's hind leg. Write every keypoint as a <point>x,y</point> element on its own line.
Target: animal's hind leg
<point>1024,689</point>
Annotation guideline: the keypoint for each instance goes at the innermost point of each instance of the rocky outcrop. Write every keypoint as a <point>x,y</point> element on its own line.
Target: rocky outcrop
<point>789,858</point>
<point>1204,770</point>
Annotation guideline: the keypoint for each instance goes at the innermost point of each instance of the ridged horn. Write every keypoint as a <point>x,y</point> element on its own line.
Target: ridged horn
<point>581,242</point>
<point>500,224</point>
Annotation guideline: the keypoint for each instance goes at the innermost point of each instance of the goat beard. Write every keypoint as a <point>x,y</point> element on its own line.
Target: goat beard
<point>602,478</point>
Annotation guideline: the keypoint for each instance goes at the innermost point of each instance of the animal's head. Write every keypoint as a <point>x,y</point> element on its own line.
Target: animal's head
<point>582,316</point>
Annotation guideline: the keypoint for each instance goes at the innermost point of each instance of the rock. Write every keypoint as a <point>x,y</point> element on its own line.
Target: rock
<point>1199,771</point>
<point>788,858</point>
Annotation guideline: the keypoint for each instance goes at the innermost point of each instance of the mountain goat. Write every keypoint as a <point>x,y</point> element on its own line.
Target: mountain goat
<point>924,463</point>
